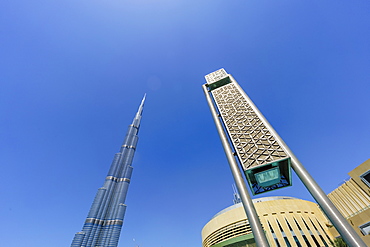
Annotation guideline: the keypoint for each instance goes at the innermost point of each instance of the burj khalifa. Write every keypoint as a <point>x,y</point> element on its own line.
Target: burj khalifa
<point>104,222</point>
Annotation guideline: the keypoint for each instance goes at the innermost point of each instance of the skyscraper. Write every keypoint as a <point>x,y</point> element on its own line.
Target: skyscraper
<point>104,221</point>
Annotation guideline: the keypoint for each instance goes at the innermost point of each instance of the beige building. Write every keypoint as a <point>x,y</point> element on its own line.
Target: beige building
<point>287,221</point>
<point>352,199</point>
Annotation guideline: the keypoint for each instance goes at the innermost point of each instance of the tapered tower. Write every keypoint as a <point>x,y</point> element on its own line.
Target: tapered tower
<point>251,143</point>
<point>103,225</point>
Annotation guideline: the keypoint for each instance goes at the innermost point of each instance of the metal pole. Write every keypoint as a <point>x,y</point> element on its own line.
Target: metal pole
<point>254,222</point>
<point>340,223</point>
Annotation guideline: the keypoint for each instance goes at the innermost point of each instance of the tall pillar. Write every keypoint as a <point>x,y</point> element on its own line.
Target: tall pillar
<point>262,154</point>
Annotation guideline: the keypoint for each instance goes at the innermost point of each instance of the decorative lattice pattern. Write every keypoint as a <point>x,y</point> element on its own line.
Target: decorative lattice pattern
<point>216,76</point>
<point>253,142</point>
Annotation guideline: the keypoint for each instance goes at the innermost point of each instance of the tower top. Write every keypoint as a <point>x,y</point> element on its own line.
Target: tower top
<point>136,121</point>
<point>216,76</point>
<point>217,79</point>
<point>141,105</point>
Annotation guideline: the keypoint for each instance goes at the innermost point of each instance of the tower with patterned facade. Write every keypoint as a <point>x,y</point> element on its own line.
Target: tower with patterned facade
<point>103,225</point>
<point>251,143</point>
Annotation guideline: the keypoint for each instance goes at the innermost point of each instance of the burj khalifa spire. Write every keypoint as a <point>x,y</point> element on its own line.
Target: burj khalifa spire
<point>104,222</point>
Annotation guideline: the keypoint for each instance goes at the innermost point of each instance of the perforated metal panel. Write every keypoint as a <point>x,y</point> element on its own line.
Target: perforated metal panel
<point>253,142</point>
<point>265,163</point>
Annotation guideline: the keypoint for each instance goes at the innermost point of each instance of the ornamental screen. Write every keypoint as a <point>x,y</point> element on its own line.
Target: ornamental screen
<point>256,147</point>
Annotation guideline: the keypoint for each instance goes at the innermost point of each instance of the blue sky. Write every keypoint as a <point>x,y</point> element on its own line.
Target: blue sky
<point>73,73</point>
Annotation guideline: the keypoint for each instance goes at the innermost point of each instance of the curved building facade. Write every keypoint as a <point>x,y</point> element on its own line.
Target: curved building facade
<point>287,221</point>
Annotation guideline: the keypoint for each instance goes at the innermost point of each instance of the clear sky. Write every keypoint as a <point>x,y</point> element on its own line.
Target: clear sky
<point>73,74</point>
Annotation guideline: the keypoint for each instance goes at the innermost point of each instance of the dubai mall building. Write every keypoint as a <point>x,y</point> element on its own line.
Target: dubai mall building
<point>287,221</point>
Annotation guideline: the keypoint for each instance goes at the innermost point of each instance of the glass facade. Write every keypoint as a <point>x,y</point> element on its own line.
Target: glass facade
<point>105,218</point>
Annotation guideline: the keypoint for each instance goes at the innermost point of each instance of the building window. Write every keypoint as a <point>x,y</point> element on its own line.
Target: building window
<point>365,228</point>
<point>293,234</point>
<point>366,178</point>
<point>318,233</point>
<point>277,242</point>
<point>297,241</point>
<point>303,236</point>
<point>323,240</point>
<point>284,236</point>
<point>315,240</point>
<point>287,242</point>
<point>323,229</point>
<point>312,236</point>
<point>306,241</point>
